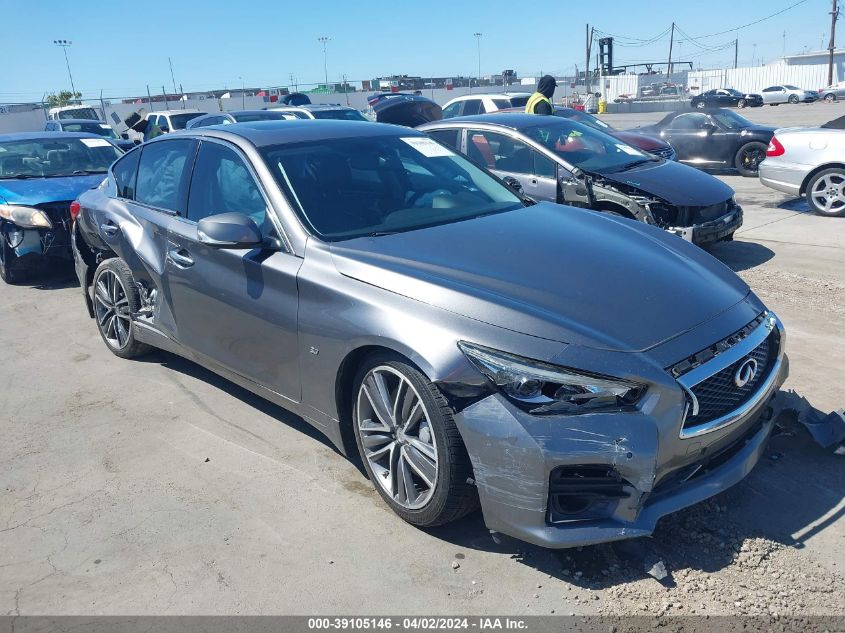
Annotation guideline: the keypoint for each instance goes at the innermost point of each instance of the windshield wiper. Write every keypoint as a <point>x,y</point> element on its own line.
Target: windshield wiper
<point>77,172</point>
<point>637,163</point>
<point>20,177</point>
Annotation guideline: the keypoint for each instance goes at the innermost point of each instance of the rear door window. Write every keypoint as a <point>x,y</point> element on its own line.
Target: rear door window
<point>471,106</point>
<point>162,175</point>
<point>450,138</point>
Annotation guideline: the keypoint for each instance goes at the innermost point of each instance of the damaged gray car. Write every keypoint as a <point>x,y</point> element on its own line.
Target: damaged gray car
<point>559,160</point>
<point>577,374</point>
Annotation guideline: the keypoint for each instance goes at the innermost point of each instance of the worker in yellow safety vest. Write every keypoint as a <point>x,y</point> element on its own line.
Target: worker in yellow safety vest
<point>541,101</point>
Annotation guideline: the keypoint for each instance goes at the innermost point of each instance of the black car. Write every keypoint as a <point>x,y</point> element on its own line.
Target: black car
<point>89,126</point>
<point>402,108</point>
<point>726,98</point>
<point>714,139</point>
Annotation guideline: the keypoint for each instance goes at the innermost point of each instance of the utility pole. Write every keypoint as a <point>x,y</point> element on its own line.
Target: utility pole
<point>171,75</point>
<point>478,42</point>
<point>834,15</point>
<point>671,42</point>
<point>736,51</point>
<point>65,44</point>
<point>324,40</point>
<point>589,48</point>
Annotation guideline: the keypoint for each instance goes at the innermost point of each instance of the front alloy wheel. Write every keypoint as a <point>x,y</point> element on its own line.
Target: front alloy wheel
<point>742,103</point>
<point>409,444</point>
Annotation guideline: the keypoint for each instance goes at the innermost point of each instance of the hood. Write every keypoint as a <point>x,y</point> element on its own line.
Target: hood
<point>640,141</point>
<point>407,110</point>
<point>43,190</point>
<point>677,184</point>
<point>554,272</point>
<point>547,86</point>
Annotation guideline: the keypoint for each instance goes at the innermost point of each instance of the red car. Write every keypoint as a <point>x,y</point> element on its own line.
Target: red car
<point>648,144</point>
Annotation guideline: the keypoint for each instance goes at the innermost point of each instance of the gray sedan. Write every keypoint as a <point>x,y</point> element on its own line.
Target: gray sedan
<point>578,374</point>
<point>808,162</point>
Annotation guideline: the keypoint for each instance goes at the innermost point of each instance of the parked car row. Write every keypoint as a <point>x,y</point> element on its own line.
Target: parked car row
<point>773,95</point>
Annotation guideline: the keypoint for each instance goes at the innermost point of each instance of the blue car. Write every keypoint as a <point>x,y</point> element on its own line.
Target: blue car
<point>41,174</point>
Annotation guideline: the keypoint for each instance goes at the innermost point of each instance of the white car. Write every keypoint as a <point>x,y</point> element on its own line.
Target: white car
<point>484,103</point>
<point>785,93</point>
<point>808,162</point>
<point>833,92</point>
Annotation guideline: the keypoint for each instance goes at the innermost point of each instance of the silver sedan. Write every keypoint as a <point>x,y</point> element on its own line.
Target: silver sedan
<point>808,162</point>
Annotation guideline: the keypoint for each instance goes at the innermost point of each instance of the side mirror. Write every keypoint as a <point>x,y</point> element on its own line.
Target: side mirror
<point>229,230</point>
<point>709,128</point>
<point>513,183</point>
<point>137,142</point>
<point>124,136</point>
<point>163,129</point>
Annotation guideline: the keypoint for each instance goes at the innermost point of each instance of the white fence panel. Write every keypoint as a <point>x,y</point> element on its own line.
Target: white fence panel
<point>754,79</point>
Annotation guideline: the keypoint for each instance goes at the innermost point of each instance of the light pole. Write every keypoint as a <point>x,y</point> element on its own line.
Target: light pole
<point>64,44</point>
<point>478,45</point>
<point>243,93</point>
<point>324,40</point>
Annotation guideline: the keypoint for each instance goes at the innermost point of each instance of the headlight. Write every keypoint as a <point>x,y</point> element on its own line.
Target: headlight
<point>539,387</point>
<point>25,217</point>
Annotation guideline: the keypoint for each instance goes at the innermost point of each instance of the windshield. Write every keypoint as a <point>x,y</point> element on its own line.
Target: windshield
<point>40,158</point>
<point>731,119</point>
<point>179,121</point>
<point>94,127</point>
<point>345,188</point>
<point>585,147</point>
<point>584,118</point>
<point>258,116</point>
<point>735,93</point>
<point>518,102</point>
<point>788,87</point>
<point>342,114</point>
<point>78,113</point>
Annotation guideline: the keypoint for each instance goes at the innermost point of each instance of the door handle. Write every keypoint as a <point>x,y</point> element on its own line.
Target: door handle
<point>180,258</point>
<point>109,228</point>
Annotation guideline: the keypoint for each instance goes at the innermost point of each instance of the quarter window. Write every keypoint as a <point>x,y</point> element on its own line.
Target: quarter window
<point>472,106</point>
<point>452,110</point>
<point>162,181</point>
<point>221,183</point>
<point>450,138</point>
<point>692,121</point>
<point>124,172</point>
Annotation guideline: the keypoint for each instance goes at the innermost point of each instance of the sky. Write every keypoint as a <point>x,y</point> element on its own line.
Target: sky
<point>121,47</point>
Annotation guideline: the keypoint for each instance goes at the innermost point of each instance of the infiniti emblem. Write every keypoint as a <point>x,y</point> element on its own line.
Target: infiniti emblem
<point>745,372</point>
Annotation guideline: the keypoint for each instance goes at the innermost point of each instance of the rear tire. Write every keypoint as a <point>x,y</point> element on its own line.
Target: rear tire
<point>748,158</point>
<point>826,192</point>
<point>700,105</point>
<point>412,451</point>
<point>115,299</point>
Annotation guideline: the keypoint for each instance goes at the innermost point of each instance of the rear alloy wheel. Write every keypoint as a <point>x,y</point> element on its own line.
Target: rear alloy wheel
<point>830,97</point>
<point>409,444</point>
<point>749,157</point>
<point>793,99</point>
<point>115,299</point>
<point>826,192</point>
<point>741,103</point>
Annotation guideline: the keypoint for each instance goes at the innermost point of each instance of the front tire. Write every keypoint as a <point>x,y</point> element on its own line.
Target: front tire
<point>409,444</point>
<point>830,98</point>
<point>116,298</point>
<point>749,157</point>
<point>826,192</point>
<point>741,103</point>
<point>793,99</point>
<point>8,259</point>
<point>700,105</point>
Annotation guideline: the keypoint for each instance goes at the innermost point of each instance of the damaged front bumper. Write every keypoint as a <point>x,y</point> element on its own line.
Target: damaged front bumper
<point>712,231</point>
<point>31,244</point>
<point>566,481</point>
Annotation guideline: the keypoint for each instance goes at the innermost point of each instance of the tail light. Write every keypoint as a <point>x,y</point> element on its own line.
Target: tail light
<point>775,148</point>
<point>75,208</point>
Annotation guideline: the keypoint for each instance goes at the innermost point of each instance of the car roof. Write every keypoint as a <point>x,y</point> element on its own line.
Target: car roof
<point>48,136</point>
<point>63,121</point>
<point>493,95</point>
<point>188,111</point>
<point>264,133</point>
<point>311,107</point>
<point>513,120</point>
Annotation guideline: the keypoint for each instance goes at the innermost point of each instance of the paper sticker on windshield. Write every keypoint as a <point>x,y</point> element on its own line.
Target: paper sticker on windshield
<point>629,150</point>
<point>105,126</point>
<point>427,147</point>
<point>95,142</point>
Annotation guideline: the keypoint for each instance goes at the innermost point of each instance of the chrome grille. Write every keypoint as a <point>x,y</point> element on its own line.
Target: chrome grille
<point>668,153</point>
<point>718,395</point>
